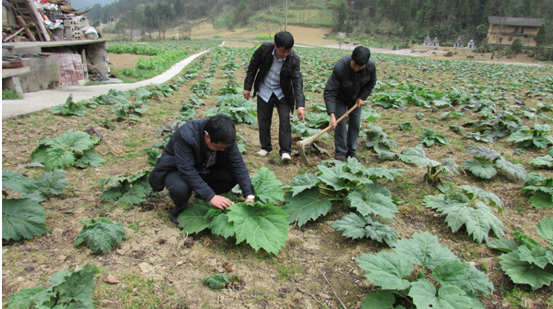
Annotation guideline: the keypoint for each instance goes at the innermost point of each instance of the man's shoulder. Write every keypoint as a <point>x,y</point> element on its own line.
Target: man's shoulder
<point>191,128</point>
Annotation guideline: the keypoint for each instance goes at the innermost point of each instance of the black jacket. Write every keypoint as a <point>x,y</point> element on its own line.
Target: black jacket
<point>345,85</point>
<point>185,152</point>
<point>291,80</point>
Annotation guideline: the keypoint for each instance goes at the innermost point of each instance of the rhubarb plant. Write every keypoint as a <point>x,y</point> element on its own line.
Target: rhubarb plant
<point>435,170</point>
<point>100,235</point>
<point>72,108</point>
<point>236,107</point>
<point>431,137</point>
<point>72,148</point>
<point>545,161</point>
<point>22,218</point>
<point>539,190</point>
<point>67,290</point>
<point>470,207</point>
<point>524,260</point>
<point>309,196</point>
<point>260,224</point>
<point>40,189</point>
<point>379,141</point>
<point>487,161</point>
<point>538,136</point>
<point>440,279</point>
<point>131,190</point>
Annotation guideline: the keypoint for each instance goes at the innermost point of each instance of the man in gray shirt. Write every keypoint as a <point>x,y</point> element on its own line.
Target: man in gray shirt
<point>274,72</point>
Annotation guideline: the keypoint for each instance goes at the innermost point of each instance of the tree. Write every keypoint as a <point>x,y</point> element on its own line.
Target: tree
<point>541,37</point>
<point>517,45</point>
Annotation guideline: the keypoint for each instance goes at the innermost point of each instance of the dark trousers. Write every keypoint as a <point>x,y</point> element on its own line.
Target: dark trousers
<point>220,179</point>
<point>264,118</point>
<point>345,137</point>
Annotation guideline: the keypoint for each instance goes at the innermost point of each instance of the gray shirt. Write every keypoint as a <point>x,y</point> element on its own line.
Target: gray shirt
<point>271,83</point>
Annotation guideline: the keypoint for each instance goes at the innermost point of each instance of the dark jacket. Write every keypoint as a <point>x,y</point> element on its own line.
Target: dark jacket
<point>186,152</point>
<point>291,80</point>
<point>345,85</point>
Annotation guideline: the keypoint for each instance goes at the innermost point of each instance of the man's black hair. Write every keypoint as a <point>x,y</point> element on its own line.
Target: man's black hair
<point>284,38</point>
<point>221,130</point>
<point>361,55</point>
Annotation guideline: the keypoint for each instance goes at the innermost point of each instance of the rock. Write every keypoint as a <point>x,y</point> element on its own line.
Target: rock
<point>228,266</point>
<point>62,258</point>
<point>57,232</point>
<point>111,279</point>
<point>145,267</point>
<point>365,284</point>
<point>325,296</point>
<point>172,240</point>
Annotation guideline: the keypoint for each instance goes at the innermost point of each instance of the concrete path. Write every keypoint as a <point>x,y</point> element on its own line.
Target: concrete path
<point>36,101</point>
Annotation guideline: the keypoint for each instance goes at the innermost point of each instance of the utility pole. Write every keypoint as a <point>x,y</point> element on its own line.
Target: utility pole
<point>286,16</point>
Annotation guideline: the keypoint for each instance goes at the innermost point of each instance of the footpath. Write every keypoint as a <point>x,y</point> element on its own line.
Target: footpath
<point>39,100</point>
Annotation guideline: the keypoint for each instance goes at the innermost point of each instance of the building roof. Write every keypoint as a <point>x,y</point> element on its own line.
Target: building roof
<point>515,21</point>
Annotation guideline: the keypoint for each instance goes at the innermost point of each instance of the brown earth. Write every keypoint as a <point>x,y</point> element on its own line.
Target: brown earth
<point>122,61</point>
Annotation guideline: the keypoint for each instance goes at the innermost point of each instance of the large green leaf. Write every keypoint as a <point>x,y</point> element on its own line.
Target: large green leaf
<point>306,206</point>
<point>220,225</point>
<point>379,300</point>
<point>75,140</point>
<point>356,226</point>
<point>352,225</point>
<point>417,155</point>
<point>77,288</point>
<point>90,158</point>
<point>136,195</point>
<point>267,187</point>
<point>22,298</point>
<point>262,226</point>
<point>193,219</point>
<point>464,276</point>
<point>545,229</point>
<point>424,249</point>
<point>504,245</point>
<point>301,183</point>
<point>423,293</point>
<point>511,168</point>
<point>537,255</point>
<point>216,282</point>
<point>58,157</point>
<point>17,182</point>
<point>336,177</point>
<point>541,199</point>
<point>22,218</point>
<point>487,197</point>
<point>375,204</point>
<point>386,269</point>
<point>53,182</point>
<point>523,272</point>
<point>100,235</point>
<point>482,170</point>
<point>478,220</point>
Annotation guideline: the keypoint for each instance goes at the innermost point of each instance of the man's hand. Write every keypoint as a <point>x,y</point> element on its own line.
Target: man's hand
<point>359,103</point>
<point>246,94</point>
<point>333,121</point>
<point>249,200</point>
<point>220,202</point>
<point>301,114</point>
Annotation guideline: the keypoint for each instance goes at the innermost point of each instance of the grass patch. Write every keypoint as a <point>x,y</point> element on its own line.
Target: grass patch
<point>8,94</point>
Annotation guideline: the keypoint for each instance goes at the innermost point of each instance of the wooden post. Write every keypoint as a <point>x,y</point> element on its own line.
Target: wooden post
<point>85,64</point>
<point>27,31</point>
<point>39,20</point>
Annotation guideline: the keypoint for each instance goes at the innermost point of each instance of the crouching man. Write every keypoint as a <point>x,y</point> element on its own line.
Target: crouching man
<point>202,156</point>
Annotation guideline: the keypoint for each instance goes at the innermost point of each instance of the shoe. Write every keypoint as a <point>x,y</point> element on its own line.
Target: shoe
<point>174,219</point>
<point>262,152</point>
<point>174,215</point>
<point>353,155</point>
<point>340,157</point>
<point>286,157</point>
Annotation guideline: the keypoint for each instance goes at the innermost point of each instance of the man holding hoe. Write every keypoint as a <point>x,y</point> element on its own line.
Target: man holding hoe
<point>351,82</point>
